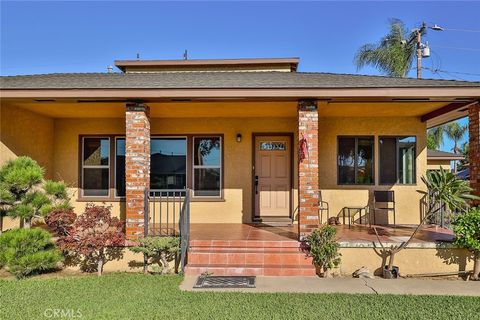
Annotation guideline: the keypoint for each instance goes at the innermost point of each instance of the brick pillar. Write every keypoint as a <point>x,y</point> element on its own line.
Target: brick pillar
<point>474,144</point>
<point>137,166</point>
<point>308,188</point>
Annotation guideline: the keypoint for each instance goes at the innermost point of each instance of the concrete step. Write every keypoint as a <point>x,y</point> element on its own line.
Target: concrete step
<point>253,270</point>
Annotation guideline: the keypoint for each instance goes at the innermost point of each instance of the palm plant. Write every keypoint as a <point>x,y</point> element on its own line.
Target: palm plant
<point>393,54</point>
<point>435,137</point>
<point>449,190</point>
<point>455,131</point>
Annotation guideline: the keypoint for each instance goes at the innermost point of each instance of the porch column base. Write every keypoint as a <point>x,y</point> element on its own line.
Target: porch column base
<point>137,167</point>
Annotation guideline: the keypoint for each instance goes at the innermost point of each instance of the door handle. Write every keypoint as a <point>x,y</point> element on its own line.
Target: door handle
<point>256,184</point>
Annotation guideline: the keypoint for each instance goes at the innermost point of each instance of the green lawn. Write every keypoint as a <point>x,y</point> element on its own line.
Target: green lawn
<point>136,296</point>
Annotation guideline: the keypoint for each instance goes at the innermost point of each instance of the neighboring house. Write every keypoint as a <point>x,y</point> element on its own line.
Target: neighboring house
<point>253,139</point>
<point>437,159</point>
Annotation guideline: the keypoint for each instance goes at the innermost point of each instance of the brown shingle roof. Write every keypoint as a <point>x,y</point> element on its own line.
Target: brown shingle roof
<point>200,80</point>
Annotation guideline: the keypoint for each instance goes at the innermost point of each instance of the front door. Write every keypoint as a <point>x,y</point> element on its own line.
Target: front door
<point>272,176</point>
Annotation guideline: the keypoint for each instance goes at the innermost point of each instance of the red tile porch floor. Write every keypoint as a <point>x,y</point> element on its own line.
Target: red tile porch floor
<point>243,249</point>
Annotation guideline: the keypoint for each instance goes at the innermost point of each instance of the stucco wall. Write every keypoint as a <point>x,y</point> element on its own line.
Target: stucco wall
<point>54,143</point>
<point>25,133</point>
<point>236,207</point>
<point>338,196</point>
<point>437,164</point>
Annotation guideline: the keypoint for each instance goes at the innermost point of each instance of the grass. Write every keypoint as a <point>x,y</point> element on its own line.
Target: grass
<point>137,296</point>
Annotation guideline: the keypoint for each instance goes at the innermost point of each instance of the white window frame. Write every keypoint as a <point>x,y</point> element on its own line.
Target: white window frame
<point>107,166</point>
<point>220,166</point>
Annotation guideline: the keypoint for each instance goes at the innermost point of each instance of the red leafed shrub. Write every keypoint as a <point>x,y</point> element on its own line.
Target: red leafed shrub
<point>94,237</point>
<point>60,221</point>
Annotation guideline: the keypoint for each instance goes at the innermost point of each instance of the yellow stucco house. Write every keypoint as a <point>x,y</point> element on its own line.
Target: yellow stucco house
<point>253,140</point>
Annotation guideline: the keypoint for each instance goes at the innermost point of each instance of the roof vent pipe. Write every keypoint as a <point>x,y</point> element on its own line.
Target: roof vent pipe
<point>110,69</point>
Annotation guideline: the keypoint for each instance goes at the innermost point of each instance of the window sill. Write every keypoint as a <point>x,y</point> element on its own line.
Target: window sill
<point>99,199</point>
<point>200,199</point>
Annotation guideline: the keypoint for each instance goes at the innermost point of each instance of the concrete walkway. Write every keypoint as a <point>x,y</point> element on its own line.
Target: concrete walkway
<point>351,285</point>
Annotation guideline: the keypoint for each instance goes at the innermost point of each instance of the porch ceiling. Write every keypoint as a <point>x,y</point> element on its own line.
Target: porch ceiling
<point>237,108</point>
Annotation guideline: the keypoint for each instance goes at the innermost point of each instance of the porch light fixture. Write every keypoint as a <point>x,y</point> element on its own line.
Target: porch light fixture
<point>239,137</point>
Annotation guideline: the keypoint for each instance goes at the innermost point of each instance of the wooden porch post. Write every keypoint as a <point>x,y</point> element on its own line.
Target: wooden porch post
<point>137,166</point>
<point>308,187</point>
<point>474,144</point>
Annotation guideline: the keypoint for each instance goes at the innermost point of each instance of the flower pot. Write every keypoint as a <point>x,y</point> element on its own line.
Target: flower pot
<point>390,274</point>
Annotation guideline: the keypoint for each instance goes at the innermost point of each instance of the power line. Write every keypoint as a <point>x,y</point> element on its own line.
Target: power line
<point>457,48</point>
<point>454,72</point>
<point>462,30</point>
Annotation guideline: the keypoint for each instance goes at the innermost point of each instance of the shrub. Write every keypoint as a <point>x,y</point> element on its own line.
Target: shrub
<point>94,237</point>
<point>26,252</point>
<point>158,252</point>
<point>467,232</point>
<point>324,248</point>
<point>25,194</point>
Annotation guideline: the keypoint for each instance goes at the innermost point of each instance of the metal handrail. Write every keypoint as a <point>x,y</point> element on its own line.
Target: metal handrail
<point>165,210</point>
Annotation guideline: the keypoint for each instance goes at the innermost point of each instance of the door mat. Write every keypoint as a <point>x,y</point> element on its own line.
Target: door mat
<point>223,282</point>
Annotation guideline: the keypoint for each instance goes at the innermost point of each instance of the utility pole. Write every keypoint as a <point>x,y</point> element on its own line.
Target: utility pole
<point>419,50</point>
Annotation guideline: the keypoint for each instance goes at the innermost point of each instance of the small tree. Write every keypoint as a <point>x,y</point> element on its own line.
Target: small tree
<point>467,232</point>
<point>60,221</point>
<point>28,251</point>
<point>159,251</point>
<point>93,235</point>
<point>324,248</point>
<point>25,194</point>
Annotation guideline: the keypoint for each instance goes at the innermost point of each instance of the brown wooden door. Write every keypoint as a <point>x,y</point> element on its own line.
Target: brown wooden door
<point>272,176</point>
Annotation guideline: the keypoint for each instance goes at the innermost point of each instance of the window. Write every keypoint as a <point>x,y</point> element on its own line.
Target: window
<point>207,166</point>
<point>355,160</point>
<point>96,166</point>
<point>397,160</point>
<point>168,163</point>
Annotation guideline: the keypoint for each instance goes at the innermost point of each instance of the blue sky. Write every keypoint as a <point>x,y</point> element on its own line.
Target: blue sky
<point>45,37</point>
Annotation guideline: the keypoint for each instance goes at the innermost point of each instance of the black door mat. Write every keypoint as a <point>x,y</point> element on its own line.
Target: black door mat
<point>223,282</point>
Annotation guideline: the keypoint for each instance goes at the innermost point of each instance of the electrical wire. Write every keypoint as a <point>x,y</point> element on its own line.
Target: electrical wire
<point>457,48</point>
<point>452,72</point>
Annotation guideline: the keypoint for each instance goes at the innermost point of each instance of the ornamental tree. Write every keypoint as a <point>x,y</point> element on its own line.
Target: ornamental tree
<point>158,251</point>
<point>467,232</point>
<point>94,236</point>
<point>25,194</point>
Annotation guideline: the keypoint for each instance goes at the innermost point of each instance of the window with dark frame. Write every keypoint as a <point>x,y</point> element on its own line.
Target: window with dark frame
<point>207,166</point>
<point>397,160</point>
<point>355,160</point>
<point>168,165</point>
<point>95,166</point>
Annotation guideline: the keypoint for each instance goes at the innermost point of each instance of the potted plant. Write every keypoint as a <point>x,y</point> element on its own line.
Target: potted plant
<point>324,249</point>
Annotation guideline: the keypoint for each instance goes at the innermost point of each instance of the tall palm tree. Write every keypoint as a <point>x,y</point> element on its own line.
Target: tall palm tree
<point>435,137</point>
<point>455,131</point>
<point>393,54</point>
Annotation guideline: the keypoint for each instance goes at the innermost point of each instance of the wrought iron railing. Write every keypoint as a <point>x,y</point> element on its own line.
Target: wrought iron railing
<point>167,213</point>
<point>441,214</point>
